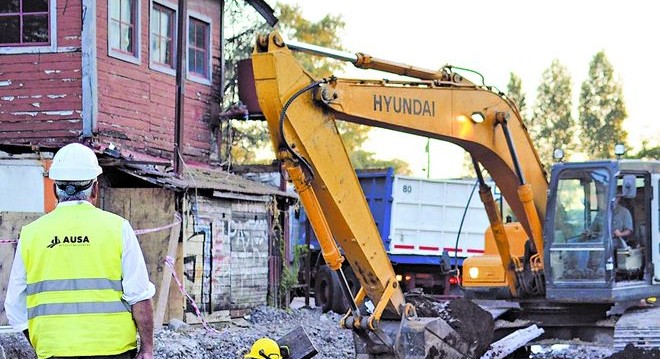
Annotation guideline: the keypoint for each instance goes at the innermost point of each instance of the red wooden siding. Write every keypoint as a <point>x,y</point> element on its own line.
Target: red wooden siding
<point>41,94</point>
<point>136,103</point>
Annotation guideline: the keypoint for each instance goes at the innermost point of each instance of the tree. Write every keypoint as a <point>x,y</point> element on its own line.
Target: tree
<point>646,153</point>
<point>247,136</point>
<point>516,94</point>
<point>552,125</point>
<point>601,110</point>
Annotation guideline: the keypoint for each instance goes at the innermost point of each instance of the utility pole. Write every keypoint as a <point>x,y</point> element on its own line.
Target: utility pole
<point>428,157</point>
<point>181,36</point>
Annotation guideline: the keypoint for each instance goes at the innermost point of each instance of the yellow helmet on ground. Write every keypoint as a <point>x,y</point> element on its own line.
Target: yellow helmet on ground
<point>264,348</point>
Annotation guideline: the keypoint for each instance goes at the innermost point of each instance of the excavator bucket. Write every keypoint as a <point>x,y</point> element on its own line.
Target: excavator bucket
<point>458,329</point>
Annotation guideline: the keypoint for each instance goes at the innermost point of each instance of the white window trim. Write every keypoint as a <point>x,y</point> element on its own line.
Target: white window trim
<point>153,65</point>
<point>40,49</point>
<point>135,59</point>
<point>191,76</point>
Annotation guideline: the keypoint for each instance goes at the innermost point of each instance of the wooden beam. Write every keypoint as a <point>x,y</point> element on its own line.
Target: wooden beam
<point>164,290</point>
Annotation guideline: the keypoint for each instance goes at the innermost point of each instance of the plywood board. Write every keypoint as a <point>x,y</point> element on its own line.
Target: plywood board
<point>147,208</point>
<point>10,227</point>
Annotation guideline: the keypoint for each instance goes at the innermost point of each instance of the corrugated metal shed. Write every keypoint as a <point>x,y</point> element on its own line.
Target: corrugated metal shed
<point>223,184</point>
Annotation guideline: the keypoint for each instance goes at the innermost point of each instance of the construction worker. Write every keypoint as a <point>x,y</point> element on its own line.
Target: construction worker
<point>264,348</point>
<point>79,285</point>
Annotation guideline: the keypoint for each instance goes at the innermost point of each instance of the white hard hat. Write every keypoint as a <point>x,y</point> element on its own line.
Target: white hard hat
<point>74,162</point>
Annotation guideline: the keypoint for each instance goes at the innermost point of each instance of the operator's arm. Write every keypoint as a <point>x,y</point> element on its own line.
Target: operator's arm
<point>625,219</point>
<point>138,290</point>
<point>15,300</point>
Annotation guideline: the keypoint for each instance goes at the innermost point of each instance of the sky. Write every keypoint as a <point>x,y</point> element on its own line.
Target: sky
<point>497,38</point>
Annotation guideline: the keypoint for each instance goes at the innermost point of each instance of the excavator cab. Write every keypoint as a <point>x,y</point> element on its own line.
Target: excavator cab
<point>586,261</point>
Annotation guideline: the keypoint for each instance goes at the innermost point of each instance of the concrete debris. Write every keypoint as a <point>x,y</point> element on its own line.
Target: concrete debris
<point>15,346</point>
<point>507,345</point>
<point>572,349</point>
<point>177,325</point>
<point>633,352</point>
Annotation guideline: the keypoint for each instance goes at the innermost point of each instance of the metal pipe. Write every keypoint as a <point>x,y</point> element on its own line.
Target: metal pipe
<point>321,51</point>
<point>500,118</point>
<point>365,61</point>
<point>347,293</point>
<point>179,112</point>
<point>497,227</point>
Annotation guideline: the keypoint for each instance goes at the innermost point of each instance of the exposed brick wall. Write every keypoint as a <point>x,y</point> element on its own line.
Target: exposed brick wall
<point>136,103</point>
<point>236,235</point>
<point>41,94</point>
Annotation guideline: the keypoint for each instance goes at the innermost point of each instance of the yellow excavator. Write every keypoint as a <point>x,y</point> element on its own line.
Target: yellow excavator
<point>558,258</point>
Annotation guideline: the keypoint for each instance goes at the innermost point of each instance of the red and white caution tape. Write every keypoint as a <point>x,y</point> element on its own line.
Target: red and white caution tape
<point>156,229</point>
<point>169,261</point>
<point>8,241</point>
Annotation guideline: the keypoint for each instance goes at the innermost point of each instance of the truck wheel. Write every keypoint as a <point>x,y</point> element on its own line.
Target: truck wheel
<point>340,301</point>
<point>325,286</point>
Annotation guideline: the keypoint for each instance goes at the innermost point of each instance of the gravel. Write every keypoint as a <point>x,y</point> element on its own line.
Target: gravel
<point>234,339</point>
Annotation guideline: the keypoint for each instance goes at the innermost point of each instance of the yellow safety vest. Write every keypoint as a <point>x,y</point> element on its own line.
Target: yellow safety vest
<point>72,259</point>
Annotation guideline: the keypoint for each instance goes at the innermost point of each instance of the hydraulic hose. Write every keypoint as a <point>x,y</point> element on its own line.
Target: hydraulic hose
<point>288,103</point>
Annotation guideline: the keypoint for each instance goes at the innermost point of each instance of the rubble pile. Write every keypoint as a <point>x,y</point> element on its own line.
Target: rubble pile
<point>14,345</point>
<point>473,324</point>
<point>234,339</point>
<point>633,352</point>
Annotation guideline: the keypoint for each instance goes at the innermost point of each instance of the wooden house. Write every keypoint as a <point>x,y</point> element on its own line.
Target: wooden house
<point>111,74</point>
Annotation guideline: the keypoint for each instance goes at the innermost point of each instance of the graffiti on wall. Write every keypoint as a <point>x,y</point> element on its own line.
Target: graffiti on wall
<point>227,265</point>
<point>248,232</point>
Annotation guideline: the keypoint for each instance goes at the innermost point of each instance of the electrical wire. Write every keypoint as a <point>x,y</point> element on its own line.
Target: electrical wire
<point>460,227</point>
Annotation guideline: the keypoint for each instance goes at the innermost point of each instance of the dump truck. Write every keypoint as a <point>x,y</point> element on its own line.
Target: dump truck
<point>428,227</point>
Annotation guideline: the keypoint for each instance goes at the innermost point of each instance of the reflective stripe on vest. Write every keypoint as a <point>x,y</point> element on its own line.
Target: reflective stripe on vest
<point>78,308</point>
<point>73,284</point>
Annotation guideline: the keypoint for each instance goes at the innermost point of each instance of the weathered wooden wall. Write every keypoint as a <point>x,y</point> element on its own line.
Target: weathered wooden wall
<point>226,252</point>
<point>41,94</point>
<point>136,103</point>
<point>150,208</point>
<point>10,227</point>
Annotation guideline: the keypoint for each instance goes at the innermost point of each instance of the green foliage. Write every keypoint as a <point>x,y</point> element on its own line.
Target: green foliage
<point>322,33</point>
<point>289,277</point>
<point>365,160</point>
<point>552,125</point>
<point>601,110</point>
<point>516,94</point>
<point>247,137</point>
<point>646,153</point>
<point>243,25</point>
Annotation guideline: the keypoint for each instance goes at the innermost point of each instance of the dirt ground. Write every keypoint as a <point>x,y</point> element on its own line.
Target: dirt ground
<point>233,339</point>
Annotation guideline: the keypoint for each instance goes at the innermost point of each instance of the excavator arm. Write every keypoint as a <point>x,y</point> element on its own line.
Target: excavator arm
<point>301,113</point>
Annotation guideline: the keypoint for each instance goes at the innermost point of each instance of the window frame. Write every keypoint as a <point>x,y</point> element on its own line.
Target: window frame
<point>193,76</point>
<point>50,46</point>
<point>154,65</point>
<point>135,57</point>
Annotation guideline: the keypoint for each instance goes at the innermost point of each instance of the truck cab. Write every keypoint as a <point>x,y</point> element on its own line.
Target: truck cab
<point>585,261</point>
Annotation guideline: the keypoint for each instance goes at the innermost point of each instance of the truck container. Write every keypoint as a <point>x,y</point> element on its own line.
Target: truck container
<point>428,227</point>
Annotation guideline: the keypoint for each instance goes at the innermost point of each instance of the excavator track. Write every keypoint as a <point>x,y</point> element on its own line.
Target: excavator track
<point>638,326</point>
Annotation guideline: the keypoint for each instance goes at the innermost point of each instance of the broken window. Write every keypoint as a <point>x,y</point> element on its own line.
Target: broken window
<point>198,48</point>
<point>121,30</point>
<point>162,35</point>
<point>24,22</point>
